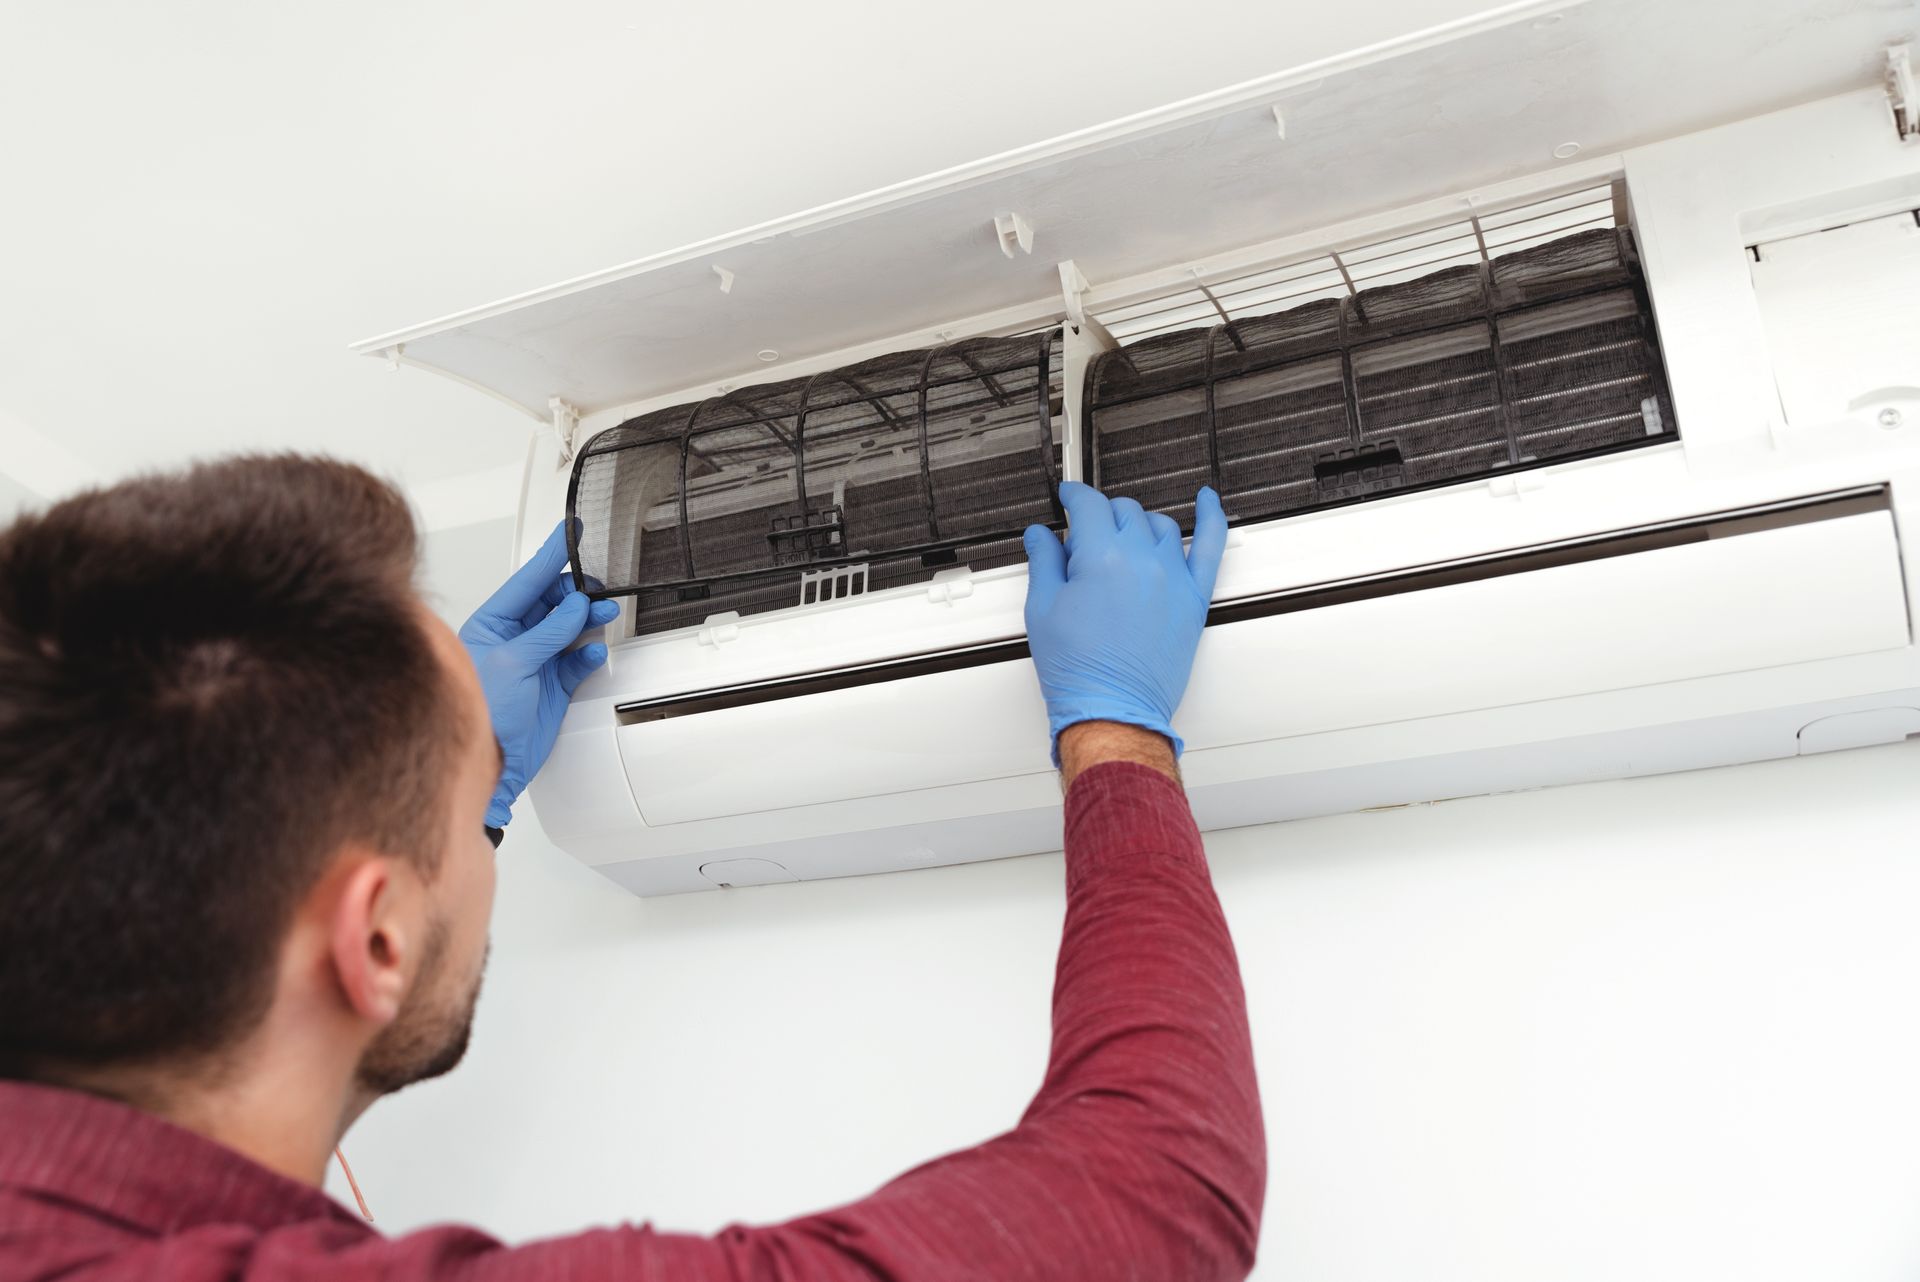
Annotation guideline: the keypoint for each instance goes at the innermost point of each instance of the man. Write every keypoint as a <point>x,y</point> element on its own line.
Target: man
<point>250,790</point>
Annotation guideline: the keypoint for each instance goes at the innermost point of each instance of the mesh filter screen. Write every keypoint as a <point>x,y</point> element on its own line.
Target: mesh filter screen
<point>1541,353</point>
<point>905,464</point>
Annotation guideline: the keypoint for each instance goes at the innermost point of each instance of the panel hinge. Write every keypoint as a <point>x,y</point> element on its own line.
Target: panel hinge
<point>566,425</point>
<point>719,629</point>
<point>1073,291</point>
<point>1013,231</point>
<point>952,585</point>
<point>1901,97</point>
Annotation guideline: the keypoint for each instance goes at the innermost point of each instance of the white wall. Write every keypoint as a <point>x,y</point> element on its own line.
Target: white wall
<point>1662,1028</point>
<point>461,566</point>
<point>15,498</point>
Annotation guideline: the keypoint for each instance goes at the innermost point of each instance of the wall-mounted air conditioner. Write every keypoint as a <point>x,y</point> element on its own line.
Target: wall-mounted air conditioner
<point>1557,477</point>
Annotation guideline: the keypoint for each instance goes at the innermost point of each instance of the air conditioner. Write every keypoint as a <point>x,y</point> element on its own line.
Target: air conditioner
<point>1597,467</point>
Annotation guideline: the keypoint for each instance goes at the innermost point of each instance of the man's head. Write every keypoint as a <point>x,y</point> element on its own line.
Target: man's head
<point>242,771</point>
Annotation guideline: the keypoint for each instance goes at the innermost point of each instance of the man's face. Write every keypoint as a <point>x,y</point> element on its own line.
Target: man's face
<point>429,1035</point>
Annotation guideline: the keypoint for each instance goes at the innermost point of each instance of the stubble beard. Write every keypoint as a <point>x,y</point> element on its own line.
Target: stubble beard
<point>430,1034</point>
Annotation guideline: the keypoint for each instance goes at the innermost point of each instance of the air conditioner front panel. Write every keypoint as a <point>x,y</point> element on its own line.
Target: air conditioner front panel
<point>961,726</point>
<point>1819,587</point>
<point>1811,591</point>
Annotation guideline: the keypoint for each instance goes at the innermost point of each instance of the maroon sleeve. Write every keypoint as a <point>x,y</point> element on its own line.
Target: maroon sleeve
<point>1142,1156</point>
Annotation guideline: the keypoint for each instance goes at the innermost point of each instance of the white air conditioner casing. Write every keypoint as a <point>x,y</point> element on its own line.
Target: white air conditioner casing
<point>1738,594</point>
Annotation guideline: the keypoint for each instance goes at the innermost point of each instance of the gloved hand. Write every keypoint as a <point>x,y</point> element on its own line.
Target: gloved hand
<point>518,642</point>
<point>1113,618</point>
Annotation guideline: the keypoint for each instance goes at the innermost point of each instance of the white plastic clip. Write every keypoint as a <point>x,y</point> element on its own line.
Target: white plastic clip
<point>1013,230</point>
<point>720,629</point>
<point>1279,120</point>
<point>1073,296</point>
<point>1073,291</point>
<point>393,355</point>
<point>726,278</point>
<point>566,423</point>
<point>952,585</point>
<point>1901,96</point>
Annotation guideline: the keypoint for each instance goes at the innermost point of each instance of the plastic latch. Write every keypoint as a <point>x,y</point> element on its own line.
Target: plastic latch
<point>720,629</point>
<point>952,585</point>
<point>1012,231</point>
<point>566,426</point>
<point>1902,98</point>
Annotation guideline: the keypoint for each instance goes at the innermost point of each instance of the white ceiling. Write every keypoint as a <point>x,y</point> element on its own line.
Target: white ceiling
<point>204,204</point>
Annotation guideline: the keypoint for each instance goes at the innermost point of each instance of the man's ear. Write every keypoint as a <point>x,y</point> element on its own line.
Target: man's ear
<point>370,941</point>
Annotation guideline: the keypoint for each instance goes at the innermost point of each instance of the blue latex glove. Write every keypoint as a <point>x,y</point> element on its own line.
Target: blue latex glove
<point>1113,617</point>
<point>518,641</point>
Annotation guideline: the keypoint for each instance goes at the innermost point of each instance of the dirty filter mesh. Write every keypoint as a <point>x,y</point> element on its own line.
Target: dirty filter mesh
<point>882,474</point>
<point>870,476</point>
<point>1545,353</point>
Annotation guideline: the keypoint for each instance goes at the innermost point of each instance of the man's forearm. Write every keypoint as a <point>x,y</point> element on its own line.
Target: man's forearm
<point>1090,743</point>
<point>1152,1055</point>
<point>1142,1154</point>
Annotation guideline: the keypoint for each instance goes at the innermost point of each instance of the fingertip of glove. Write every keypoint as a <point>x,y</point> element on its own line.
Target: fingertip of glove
<point>595,654</point>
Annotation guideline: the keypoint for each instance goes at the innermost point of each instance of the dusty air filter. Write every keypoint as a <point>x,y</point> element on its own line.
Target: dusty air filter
<point>1510,358</point>
<point>872,476</point>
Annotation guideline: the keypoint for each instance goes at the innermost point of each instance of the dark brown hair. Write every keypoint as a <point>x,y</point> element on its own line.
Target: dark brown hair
<point>209,681</point>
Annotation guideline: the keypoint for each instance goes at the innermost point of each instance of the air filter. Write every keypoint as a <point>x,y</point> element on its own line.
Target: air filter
<point>1508,359</point>
<point>871,476</point>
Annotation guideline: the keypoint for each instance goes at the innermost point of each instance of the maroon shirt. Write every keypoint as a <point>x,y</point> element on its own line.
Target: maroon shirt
<point>1142,1157</point>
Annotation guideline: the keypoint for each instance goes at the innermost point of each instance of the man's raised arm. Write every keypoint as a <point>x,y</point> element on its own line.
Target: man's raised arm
<point>1142,1156</point>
